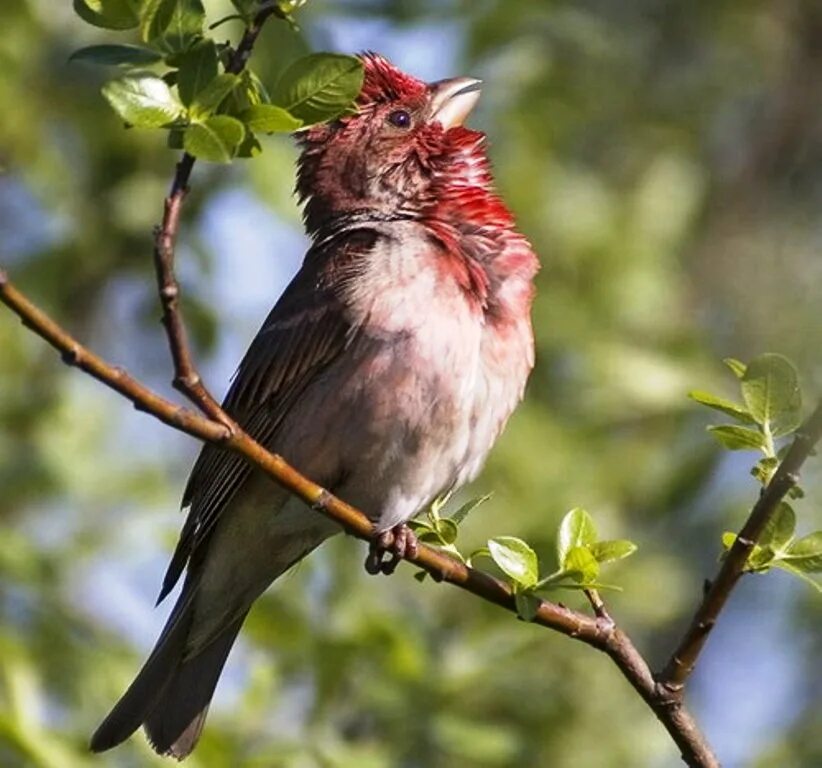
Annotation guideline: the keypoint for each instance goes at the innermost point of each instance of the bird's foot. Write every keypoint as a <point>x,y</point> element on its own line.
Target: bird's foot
<point>397,542</point>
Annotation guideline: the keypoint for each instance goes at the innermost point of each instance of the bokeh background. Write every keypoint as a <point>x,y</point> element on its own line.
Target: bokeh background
<point>664,157</point>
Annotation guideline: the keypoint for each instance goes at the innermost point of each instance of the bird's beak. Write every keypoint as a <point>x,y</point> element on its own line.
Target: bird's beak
<point>451,101</point>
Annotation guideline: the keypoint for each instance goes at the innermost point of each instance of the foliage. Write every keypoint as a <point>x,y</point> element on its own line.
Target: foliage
<point>675,218</point>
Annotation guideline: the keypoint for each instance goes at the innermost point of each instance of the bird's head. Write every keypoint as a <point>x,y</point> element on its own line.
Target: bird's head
<point>392,157</point>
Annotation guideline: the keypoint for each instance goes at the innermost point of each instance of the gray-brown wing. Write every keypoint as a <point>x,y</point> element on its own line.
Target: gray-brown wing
<point>307,329</point>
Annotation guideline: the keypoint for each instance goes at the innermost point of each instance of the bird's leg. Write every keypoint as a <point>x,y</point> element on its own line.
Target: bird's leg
<point>397,542</point>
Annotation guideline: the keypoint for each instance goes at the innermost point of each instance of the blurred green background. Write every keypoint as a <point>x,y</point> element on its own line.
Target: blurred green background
<point>664,157</point>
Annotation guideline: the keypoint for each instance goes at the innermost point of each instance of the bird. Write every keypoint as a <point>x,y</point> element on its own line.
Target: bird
<point>385,372</point>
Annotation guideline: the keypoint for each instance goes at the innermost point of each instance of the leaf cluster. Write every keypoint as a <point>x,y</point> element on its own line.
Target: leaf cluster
<point>771,409</point>
<point>177,79</point>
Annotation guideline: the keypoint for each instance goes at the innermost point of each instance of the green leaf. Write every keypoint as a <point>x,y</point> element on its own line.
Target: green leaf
<point>779,529</point>
<point>737,367</point>
<point>108,14</point>
<point>269,119</point>
<point>805,554</point>
<point>516,559</point>
<point>738,438</point>
<point>447,530</point>
<point>720,404</point>
<point>764,468</point>
<point>209,99</point>
<point>608,551</point>
<point>469,506</point>
<point>112,55</point>
<point>527,605</point>
<point>171,25</point>
<point>791,568</point>
<point>319,87</point>
<point>142,100</point>
<point>580,563</point>
<point>770,388</point>
<point>197,68</point>
<point>481,552</point>
<point>215,139</point>
<point>576,529</point>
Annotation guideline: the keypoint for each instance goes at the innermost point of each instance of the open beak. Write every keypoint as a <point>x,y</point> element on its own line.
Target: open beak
<point>452,100</point>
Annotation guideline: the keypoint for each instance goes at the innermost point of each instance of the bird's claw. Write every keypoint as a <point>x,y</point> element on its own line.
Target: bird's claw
<point>398,542</point>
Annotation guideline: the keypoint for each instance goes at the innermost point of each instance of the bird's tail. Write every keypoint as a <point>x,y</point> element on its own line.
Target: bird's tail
<point>171,693</point>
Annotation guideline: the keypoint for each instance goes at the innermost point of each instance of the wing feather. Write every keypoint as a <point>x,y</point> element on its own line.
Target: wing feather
<point>307,329</point>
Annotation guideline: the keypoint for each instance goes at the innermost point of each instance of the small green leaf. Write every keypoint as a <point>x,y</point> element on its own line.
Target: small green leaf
<point>197,68</point>
<point>469,506</point>
<point>108,14</point>
<point>805,554</point>
<point>447,530</point>
<point>516,559</point>
<point>269,119</point>
<point>319,86</point>
<point>420,576</point>
<point>527,605</point>
<point>763,469</point>
<point>215,139</point>
<point>142,100</point>
<point>207,100</point>
<point>790,567</point>
<point>171,25</point>
<point>481,552</point>
<point>112,55</point>
<point>580,563</point>
<point>779,529</point>
<point>608,551</point>
<point>738,438</point>
<point>737,367</point>
<point>720,404</point>
<point>576,529</point>
<point>770,388</point>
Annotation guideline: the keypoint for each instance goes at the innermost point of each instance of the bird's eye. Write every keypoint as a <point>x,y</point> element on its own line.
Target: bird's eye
<point>400,118</point>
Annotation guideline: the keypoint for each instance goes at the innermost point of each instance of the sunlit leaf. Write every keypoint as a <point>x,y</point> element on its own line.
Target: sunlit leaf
<point>469,506</point>
<point>319,86</point>
<point>516,559</point>
<point>580,563</point>
<point>576,529</point>
<point>737,367</point>
<point>142,100</point>
<point>770,388</point>
<point>780,527</point>
<point>608,551</point>
<point>720,404</point>
<point>207,100</point>
<point>738,438</point>
<point>215,139</point>
<point>805,554</point>
<point>269,119</point>
<point>791,567</point>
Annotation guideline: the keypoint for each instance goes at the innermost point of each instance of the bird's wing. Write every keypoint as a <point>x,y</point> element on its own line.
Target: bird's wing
<point>307,329</point>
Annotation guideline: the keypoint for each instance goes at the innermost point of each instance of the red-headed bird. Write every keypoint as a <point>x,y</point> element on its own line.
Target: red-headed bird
<point>385,373</point>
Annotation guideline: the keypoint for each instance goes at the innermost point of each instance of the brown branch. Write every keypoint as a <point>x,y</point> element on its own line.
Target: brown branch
<point>187,379</point>
<point>682,661</point>
<point>600,633</point>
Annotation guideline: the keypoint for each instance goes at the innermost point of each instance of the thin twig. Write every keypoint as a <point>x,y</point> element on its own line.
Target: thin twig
<point>187,379</point>
<point>684,658</point>
<point>599,633</point>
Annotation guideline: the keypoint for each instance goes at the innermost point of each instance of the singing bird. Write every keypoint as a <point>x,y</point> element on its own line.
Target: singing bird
<point>385,372</point>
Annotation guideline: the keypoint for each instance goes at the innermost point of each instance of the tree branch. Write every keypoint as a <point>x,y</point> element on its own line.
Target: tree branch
<point>600,633</point>
<point>187,379</point>
<point>684,658</point>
